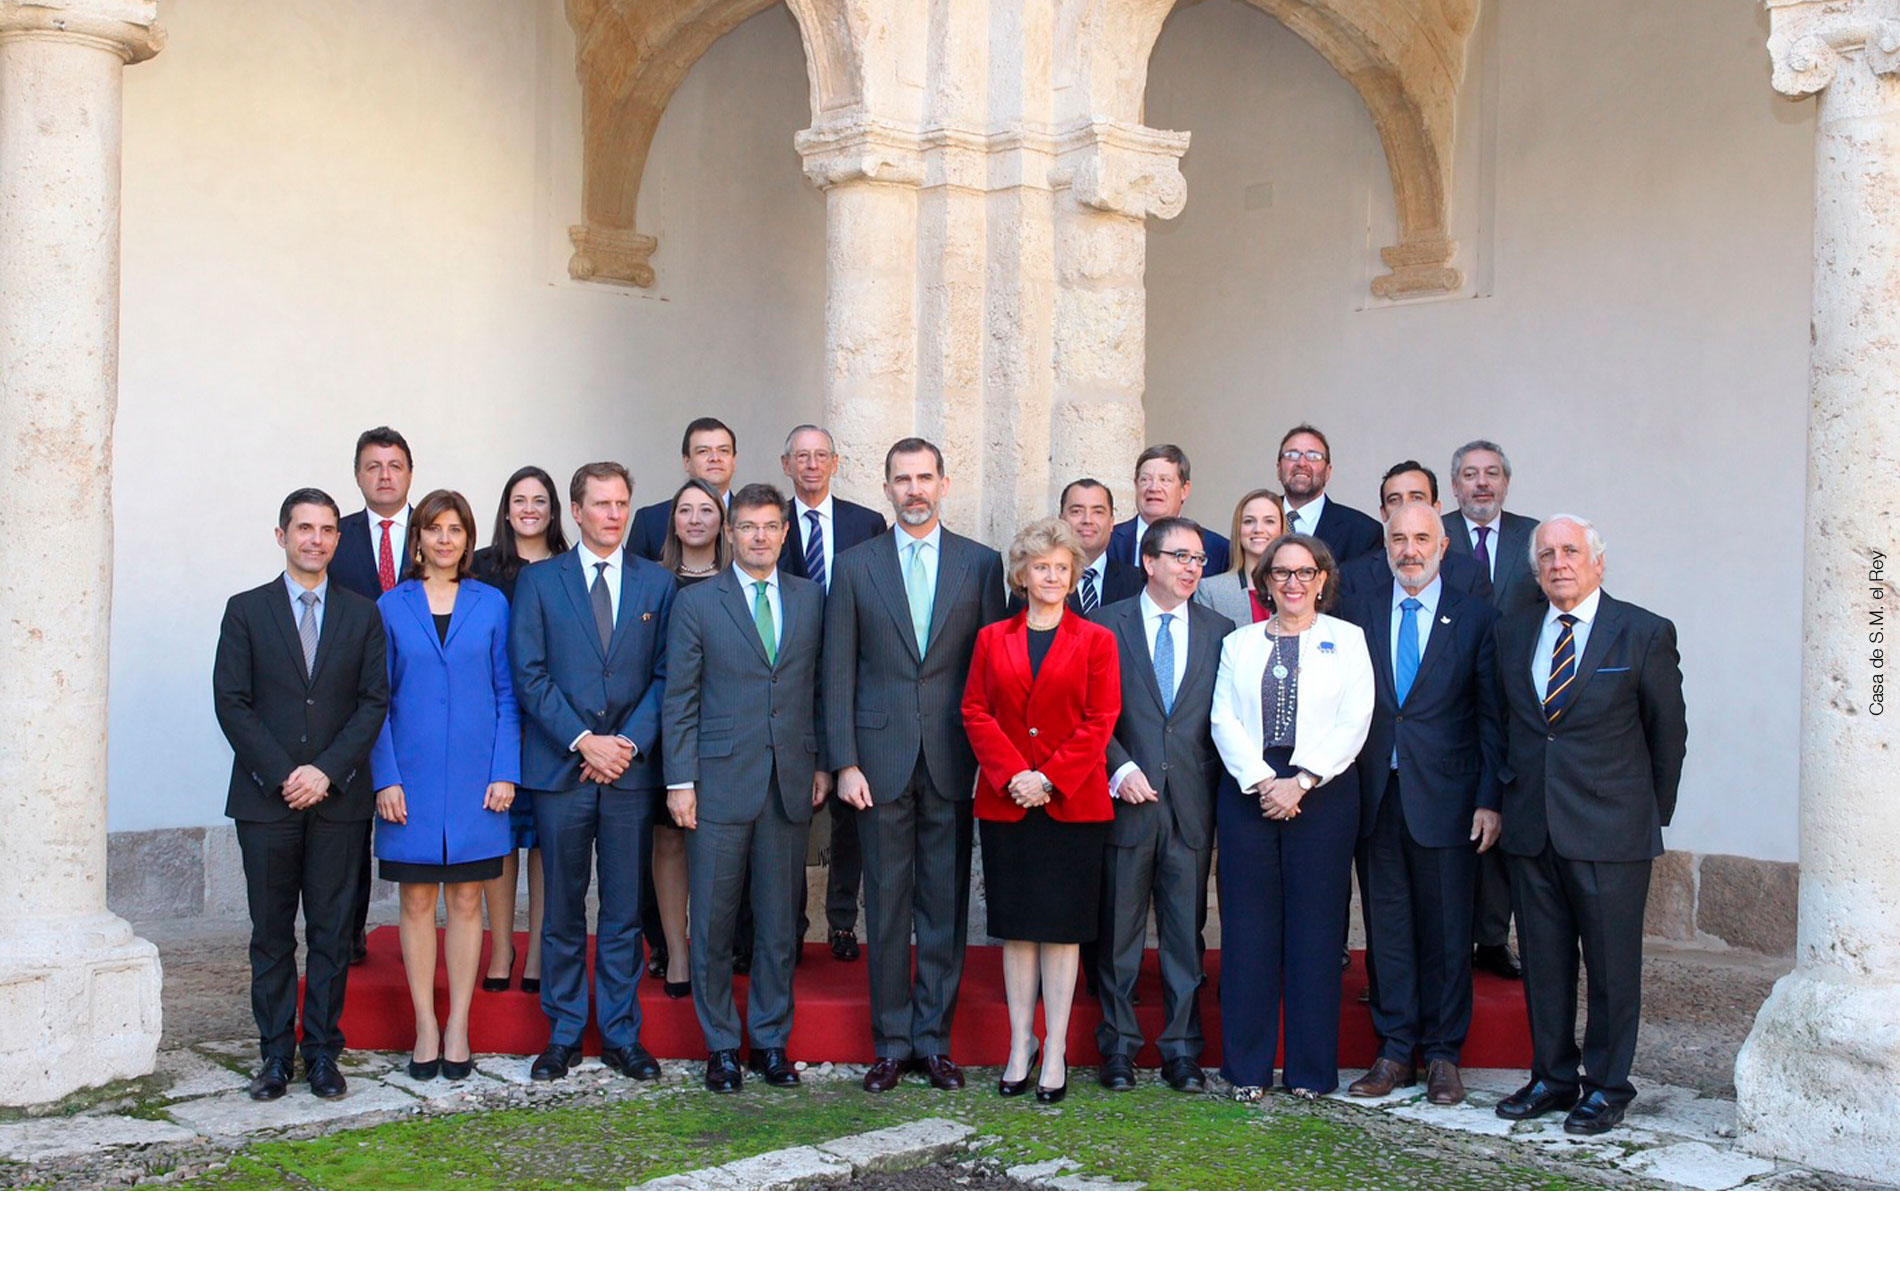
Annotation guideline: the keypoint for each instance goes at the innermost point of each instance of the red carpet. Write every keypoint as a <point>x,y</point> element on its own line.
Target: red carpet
<point>834,1013</point>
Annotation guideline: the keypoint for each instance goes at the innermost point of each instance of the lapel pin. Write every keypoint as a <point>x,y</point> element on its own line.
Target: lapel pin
<point>1444,619</point>
<point>645,616</point>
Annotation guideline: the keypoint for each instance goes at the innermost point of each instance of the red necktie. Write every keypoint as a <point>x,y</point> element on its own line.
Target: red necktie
<point>386,561</point>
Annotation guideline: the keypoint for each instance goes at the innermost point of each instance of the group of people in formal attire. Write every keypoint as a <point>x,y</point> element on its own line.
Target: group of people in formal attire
<point>1445,702</point>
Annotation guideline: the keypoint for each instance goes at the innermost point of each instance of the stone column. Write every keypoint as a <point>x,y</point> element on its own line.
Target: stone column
<point>870,176</point>
<point>1816,1080</point>
<point>79,994</point>
<point>1110,179</point>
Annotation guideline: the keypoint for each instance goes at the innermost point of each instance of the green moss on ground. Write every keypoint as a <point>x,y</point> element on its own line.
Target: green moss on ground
<point>1151,1136</point>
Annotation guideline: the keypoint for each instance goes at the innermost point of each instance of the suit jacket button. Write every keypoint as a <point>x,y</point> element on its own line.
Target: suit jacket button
<point>1032,731</point>
<point>1550,738</point>
<point>1164,767</point>
<point>309,703</point>
<point>607,673</point>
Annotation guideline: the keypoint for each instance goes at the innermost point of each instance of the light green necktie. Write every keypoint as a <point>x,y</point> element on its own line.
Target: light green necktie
<point>762,616</point>
<point>917,588</point>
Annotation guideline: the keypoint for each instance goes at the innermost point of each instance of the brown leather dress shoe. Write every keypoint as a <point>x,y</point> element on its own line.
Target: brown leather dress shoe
<point>942,1071</point>
<point>1443,1085</point>
<point>1385,1076</point>
<point>883,1075</point>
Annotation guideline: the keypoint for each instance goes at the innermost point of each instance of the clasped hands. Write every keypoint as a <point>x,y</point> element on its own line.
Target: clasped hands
<point>604,758</point>
<point>1028,789</point>
<point>1279,798</point>
<point>305,786</point>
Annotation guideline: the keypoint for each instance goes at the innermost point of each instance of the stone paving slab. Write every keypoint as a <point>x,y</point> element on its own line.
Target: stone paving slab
<point>1699,1166</point>
<point>49,1138</point>
<point>1042,1171</point>
<point>191,1075</point>
<point>234,1114</point>
<point>1466,1118</point>
<point>441,1089</point>
<point>899,1146</point>
<point>788,1169</point>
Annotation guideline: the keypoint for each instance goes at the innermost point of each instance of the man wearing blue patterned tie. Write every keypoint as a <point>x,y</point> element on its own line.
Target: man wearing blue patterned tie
<point>1595,736</point>
<point>824,526</point>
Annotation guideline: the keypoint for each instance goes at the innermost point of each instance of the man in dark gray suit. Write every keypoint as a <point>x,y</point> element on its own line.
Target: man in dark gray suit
<point>1595,735</point>
<point>1162,771</point>
<point>1500,543</point>
<point>900,627</point>
<point>744,772</point>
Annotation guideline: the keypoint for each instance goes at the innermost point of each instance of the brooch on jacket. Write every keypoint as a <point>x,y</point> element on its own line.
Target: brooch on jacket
<point>1326,648</point>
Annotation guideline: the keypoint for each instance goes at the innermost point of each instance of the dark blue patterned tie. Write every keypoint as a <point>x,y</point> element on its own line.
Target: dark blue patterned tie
<point>1563,671</point>
<point>815,550</point>
<point>1090,599</point>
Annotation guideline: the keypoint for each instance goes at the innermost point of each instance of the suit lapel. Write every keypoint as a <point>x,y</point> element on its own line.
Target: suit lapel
<point>1016,653</point>
<point>630,590</point>
<point>415,603</point>
<point>1517,661</point>
<point>278,599</point>
<point>576,586</point>
<point>1134,639</point>
<point>1444,627</point>
<point>1066,646</point>
<point>952,559</point>
<point>1604,631</point>
<point>885,559</point>
<point>1379,644</point>
<point>739,607</point>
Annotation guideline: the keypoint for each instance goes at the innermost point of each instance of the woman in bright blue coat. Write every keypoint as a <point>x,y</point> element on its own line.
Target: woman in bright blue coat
<point>445,766</point>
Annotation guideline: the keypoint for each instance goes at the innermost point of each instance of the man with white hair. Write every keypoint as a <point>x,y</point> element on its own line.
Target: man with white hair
<point>1595,734</point>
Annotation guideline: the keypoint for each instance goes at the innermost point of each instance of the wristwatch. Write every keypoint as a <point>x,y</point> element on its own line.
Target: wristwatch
<point>1048,787</point>
<point>1307,781</point>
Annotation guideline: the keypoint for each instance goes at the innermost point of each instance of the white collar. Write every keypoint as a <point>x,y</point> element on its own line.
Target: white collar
<point>747,580</point>
<point>1427,597</point>
<point>823,508</point>
<point>1151,610</point>
<point>588,557</point>
<point>934,538</point>
<point>1585,611</point>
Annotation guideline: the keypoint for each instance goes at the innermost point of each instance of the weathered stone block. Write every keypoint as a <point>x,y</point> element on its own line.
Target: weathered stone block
<point>1671,911</point>
<point>156,874</point>
<point>224,874</point>
<point>1748,902</point>
<point>899,1146</point>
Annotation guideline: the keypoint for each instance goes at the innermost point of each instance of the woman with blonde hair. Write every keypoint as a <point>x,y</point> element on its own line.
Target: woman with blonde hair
<point>1259,520</point>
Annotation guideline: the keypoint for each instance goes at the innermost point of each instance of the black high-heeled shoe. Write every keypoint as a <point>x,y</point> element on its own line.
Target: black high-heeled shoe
<point>656,962</point>
<point>678,989</point>
<point>457,1069</point>
<point>424,1069</point>
<point>530,984</point>
<point>1053,1094</point>
<point>1012,1089</point>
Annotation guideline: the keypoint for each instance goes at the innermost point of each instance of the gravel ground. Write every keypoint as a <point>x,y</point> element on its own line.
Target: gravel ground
<point>945,1176</point>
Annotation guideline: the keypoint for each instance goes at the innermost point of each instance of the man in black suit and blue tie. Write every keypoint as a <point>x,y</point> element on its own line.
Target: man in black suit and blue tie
<point>301,687</point>
<point>1305,464</point>
<point>588,644</point>
<point>824,526</point>
<point>1428,802</point>
<point>1595,736</point>
<point>708,451</point>
<point>1163,479</point>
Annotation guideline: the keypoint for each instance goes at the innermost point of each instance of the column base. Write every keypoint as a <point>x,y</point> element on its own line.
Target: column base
<point>1816,1079</point>
<point>79,1007</point>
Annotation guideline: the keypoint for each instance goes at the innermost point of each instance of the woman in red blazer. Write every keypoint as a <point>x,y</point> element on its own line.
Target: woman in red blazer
<point>1042,699</point>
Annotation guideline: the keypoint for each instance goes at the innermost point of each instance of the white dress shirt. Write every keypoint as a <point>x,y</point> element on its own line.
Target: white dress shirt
<point>296,604</point>
<point>749,586</point>
<point>398,537</point>
<point>1306,518</point>
<point>828,546</point>
<point>616,571</point>
<point>1151,629</point>
<point>1099,568</point>
<point>1586,614</point>
<point>1490,540</point>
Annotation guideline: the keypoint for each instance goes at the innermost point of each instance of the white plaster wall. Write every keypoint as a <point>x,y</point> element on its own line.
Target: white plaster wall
<point>1641,352</point>
<point>344,213</point>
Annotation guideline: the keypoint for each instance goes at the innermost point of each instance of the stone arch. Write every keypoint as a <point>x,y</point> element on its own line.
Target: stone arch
<point>631,56</point>
<point>1406,59</point>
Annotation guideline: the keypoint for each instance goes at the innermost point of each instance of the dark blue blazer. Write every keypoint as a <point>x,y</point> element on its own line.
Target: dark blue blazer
<point>1125,547</point>
<point>647,534</point>
<point>1372,573</point>
<point>452,727</point>
<point>852,523</point>
<point>354,566</point>
<point>564,682</point>
<point>1348,533</point>
<point>1119,581</point>
<point>1449,734</point>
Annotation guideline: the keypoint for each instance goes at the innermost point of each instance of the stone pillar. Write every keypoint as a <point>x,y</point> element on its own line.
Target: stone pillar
<point>79,994</point>
<point>1111,178</point>
<point>1816,1078</point>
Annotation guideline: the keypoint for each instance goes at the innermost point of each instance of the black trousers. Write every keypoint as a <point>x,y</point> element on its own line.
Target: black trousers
<point>844,874</point>
<point>1419,928</point>
<point>359,895</point>
<point>1567,910</point>
<point>1491,912</point>
<point>312,861</point>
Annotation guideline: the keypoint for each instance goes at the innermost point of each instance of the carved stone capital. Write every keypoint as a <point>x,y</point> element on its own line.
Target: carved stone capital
<point>1420,266</point>
<point>1808,39</point>
<point>860,151</point>
<point>128,28</point>
<point>1132,171</point>
<point>620,256</point>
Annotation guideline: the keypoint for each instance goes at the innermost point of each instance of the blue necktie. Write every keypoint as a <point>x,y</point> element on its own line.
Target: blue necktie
<point>1164,663</point>
<point>815,550</point>
<point>917,589</point>
<point>1563,671</point>
<point>1406,670</point>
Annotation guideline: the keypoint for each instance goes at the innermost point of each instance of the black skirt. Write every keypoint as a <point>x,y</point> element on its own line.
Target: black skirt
<point>1043,878</point>
<point>476,872</point>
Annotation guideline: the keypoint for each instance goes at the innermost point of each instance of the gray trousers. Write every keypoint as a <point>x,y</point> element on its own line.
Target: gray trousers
<point>718,857</point>
<point>916,877</point>
<point>1159,869</point>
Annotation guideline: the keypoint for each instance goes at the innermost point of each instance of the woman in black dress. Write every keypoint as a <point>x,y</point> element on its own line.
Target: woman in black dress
<point>1041,703</point>
<point>527,530</point>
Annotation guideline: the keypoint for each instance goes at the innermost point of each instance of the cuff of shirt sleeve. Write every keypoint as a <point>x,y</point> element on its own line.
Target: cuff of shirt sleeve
<point>575,746</point>
<point>1115,779</point>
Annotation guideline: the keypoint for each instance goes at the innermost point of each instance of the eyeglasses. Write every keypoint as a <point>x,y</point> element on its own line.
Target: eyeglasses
<point>1185,557</point>
<point>810,459</point>
<point>1298,454</point>
<point>758,529</point>
<point>1281,575</point>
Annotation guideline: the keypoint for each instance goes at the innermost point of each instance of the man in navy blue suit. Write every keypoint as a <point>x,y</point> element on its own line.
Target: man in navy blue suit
<point>1407,483</point>
<point>1305,464</point>
<point>1428,802</point>
<point>369,558</point>
<point>707,451</point>
<point>1163,478</point>
<point>822,527</point>
<point>588,642</point>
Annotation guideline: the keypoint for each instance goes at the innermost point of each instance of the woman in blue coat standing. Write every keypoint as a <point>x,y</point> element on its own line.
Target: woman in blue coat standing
<point>445,766</point>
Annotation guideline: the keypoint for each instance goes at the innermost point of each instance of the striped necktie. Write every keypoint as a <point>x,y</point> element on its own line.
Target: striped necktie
<point>815,550</point>
<point>1090,598</point>
<point>1563,671</point>
<point>307,632</point>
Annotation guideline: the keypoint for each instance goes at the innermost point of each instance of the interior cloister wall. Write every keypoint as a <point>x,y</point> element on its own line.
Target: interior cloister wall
<point>340,213</point>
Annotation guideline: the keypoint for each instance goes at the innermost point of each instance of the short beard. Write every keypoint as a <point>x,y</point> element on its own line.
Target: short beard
<point>915,516</point>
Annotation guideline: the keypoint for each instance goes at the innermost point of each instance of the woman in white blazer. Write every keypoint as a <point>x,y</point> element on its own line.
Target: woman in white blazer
<point>1292,704</point>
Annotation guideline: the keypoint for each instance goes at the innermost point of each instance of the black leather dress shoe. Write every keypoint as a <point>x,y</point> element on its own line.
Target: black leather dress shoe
<point>1182,1073</point>
<point>272,1080</point>
<point>942,1072</point>
<point>1535,1099</point>
<point>1498,960</point>
<point>844,945</point>
<point>722,1072</point>
<point>552,1064</point>
<point>632,1061</point>
<point>656,962</point>
<point>326,1080</point>
<point>770,1062</point>
<point>359,948</point>
<point>1117,1073</point>
<point>1593,1115</point>
<point>884,1074</point>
